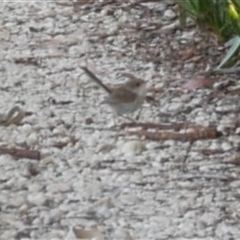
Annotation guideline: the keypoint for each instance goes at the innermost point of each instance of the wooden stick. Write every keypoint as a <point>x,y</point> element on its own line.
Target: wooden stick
<point>21,153</point>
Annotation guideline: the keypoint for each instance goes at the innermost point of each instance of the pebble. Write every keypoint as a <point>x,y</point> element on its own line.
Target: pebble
<point>175,106</point>
<point>170,14</point>
<point>37,199</point>
<point>132,147</point>
<point>158,6</point>
<point>32,139</point>
<point>226,146</point>
<point>23,208</point>
<point>105,148</point>
<point>27,129</point>
<point>16,202</point>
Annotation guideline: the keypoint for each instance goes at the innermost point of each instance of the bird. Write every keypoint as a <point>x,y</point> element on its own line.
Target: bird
<point>123,98</point>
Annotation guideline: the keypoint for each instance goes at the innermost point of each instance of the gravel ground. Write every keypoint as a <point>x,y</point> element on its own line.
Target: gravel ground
<point>92,176</point>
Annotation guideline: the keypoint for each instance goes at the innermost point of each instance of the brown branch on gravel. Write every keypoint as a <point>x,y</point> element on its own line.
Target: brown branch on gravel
<point>75,2</point>
<point>208,177</point>
<point>21,153</point>
<point>209,152</point>
<point>27,60</point>
<point>151,125</point>
<point>146,125</point>
<point>194,135</point>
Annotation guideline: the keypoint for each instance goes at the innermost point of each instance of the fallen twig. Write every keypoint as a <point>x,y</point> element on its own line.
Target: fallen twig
<point>196,134</point>
<point>164,126</point>
<point>21,153</point>
<point>207,176</point>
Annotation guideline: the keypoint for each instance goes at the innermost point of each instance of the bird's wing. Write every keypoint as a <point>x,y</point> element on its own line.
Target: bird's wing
<point>123,95</point>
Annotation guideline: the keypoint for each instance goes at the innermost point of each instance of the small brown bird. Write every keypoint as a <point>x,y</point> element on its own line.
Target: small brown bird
<point>125,98</point>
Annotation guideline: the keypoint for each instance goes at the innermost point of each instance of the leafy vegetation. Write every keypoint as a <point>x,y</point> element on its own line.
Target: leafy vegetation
<point>220,16</point>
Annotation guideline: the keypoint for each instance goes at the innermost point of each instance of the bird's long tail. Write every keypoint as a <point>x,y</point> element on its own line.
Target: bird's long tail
<point>96,79</point>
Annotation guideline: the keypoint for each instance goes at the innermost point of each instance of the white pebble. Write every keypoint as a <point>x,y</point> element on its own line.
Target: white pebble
<point>27,128</point>
<point>59,130</point>
<point>132,147</point>
<point>37,199</point>
<point>175,106</point>
<point>23,208</point>
<point>169,14</point>
<point>32,139</point>
<point>214,146</point>
<point>152,145</point>
<point>226,146</point>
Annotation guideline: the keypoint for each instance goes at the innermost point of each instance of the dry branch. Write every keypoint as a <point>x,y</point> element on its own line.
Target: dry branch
<point>196,134</point>
<point>21,153</point>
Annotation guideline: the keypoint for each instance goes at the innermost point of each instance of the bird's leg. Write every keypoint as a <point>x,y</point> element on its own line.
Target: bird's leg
<point>138,114</point>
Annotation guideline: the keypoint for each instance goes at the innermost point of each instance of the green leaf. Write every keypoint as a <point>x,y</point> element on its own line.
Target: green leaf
<point>231,52</point>
<point>236,3</point>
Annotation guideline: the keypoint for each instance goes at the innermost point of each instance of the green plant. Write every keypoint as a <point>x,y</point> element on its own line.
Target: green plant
<point>220,16</point>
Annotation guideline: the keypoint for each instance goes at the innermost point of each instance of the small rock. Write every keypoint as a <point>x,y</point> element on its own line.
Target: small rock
<point>16,202</point>
<point>38,199</point>
<point>226,146</point>
<point>73,162</point>
<point>214,146</point>
<point>32,139</point>
<point>59,131</point>
<point>132,147</point>
<point>46,162</point>
<point>55,215</point>
<point>89,121</point>
<point>170,14</point>
<point>23,209</point>
<point>37,222</point>
<point>27,129</point>
<point>175,106</point>
<point>169,28</point>
<point>105,148</point>
<point>158,6</point>
<point>81,233</point>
